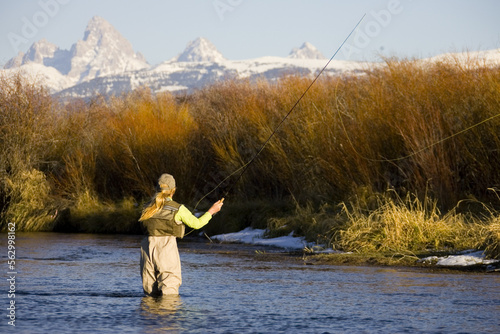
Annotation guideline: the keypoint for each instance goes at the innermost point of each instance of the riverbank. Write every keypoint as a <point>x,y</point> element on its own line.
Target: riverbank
<point>314,254</point>
<point>400,159</point>
<point>458,262</point>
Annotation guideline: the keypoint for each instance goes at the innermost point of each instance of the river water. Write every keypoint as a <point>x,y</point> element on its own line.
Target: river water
<point>79,283</point>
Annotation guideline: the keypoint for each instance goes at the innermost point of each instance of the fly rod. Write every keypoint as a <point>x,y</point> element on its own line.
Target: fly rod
<point>244,168</point>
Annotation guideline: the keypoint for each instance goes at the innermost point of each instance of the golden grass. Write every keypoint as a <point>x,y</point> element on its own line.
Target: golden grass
<point>399,126</point>
<point>404,225</point>
<point>490,240</point>
<point>32,208</point>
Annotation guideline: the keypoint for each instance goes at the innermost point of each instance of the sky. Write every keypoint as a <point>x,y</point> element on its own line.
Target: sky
<point>245,29</point>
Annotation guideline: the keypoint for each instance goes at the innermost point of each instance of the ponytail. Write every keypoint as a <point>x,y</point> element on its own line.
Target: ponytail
<point>156,204</point>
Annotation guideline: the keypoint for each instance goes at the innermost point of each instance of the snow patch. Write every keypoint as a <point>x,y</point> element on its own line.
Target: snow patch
<point>256,237</point>
<point>47,76</point>
<point>171,88</point>
<point>466,258</point>
<point>488,58</point>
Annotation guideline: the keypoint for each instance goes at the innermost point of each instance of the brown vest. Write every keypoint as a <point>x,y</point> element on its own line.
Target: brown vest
<point>162,223</point>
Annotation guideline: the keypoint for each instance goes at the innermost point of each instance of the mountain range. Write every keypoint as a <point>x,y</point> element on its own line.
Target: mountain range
<point>104,62</point>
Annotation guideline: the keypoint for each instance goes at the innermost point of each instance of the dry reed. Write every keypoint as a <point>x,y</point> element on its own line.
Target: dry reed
<point>398,126</point>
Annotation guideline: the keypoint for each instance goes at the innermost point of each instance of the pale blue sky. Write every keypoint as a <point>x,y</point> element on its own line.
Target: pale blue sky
<point>243,29</point>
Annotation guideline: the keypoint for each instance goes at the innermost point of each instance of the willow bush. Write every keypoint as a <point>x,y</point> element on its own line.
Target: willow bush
<point>410,126</point>
<point>27,146</point>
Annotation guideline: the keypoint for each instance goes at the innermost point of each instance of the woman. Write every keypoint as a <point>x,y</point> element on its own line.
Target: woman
<point>163,221</point>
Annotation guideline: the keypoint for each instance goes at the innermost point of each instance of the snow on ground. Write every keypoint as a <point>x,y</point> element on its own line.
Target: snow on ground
<point>466,258</point>
<point>46,75</point>
<point>256,237</point>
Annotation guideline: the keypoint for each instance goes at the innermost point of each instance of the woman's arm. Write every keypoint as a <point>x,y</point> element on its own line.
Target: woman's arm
<point>185,216</point>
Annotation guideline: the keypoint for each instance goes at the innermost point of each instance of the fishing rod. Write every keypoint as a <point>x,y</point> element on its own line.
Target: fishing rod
<point>244,168</point>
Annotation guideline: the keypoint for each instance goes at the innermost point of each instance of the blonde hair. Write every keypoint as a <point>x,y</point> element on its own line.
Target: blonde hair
<point>156,204</point>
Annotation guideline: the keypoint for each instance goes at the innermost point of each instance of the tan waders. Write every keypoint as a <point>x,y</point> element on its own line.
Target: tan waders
<point>160,265</point>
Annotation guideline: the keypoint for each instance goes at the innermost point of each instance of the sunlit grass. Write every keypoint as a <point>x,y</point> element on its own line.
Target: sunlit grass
<point>404,225</point>
<point>399,127</point>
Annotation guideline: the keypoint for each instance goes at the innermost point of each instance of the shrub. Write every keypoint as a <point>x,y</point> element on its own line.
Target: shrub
<point>420,128</point>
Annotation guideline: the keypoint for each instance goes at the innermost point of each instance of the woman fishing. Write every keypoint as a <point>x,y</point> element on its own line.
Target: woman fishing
<point>163,221</point>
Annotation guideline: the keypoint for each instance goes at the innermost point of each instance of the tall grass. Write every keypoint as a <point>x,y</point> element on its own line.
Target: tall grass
<point>398,126</point>
<point>404,224</point>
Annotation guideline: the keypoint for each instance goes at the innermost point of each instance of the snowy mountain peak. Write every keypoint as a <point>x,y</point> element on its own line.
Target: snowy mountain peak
<point>35,54</point>
<point>200,50</point>
<point>39,51</point>
<point>43,53</point>
<point>98,26</point>
<point>306,51</point>
<point>103,51</point>
<point>15,61</point>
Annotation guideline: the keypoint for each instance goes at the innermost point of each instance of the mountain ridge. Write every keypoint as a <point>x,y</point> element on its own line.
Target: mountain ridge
<point>200,50</point>
<point>104,62</point>
<point>306,51</point>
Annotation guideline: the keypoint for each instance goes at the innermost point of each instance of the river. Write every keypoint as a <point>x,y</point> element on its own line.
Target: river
<point>82,283</point>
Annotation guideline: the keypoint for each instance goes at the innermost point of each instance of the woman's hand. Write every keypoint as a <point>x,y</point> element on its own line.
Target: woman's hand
<point>216,207</point>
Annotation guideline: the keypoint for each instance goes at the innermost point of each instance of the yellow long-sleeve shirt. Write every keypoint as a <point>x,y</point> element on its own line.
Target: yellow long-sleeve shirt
<point>185,216</point>
<point>170,220</point>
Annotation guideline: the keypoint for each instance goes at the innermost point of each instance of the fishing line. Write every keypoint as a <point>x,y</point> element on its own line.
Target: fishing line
<point>246,165</point>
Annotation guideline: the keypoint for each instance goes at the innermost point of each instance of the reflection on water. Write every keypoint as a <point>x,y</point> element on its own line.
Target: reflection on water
<point>163,311</point>
<point>91,284</point>
<point>161,306</point>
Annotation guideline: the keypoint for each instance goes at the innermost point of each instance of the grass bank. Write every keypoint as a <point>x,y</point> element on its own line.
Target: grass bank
<point>389,224</point>
<point>90,165</point>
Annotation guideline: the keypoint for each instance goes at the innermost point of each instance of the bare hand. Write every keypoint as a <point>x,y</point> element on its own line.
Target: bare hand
<point>216,207</point>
